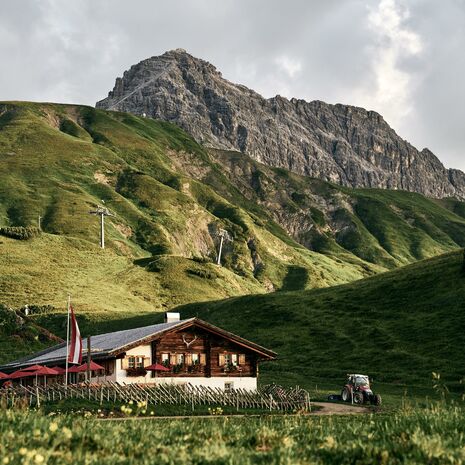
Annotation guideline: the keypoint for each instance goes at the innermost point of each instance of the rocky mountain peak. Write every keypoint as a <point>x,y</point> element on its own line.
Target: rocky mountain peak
<point>344,144</point>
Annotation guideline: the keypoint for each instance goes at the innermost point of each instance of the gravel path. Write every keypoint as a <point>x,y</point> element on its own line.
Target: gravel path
<point>330,408</point>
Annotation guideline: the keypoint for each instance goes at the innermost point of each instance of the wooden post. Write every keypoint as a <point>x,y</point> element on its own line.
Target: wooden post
<point>153,346</point>
<point>208,357</point>
<point>88,360</point>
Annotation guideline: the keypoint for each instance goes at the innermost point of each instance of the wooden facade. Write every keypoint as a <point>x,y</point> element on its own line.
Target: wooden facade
<point>196,352</point>
<point>192,351</point>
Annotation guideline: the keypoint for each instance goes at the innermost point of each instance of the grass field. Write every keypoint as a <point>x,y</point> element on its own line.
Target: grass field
<point>412,436</point>
<point>295,241</point>
<point>398,327</point>
<point>170,196</point>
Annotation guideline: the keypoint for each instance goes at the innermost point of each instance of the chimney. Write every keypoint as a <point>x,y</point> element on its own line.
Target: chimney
<point>171,317</point>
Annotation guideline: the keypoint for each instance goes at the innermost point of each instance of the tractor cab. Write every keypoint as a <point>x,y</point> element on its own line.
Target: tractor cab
<point>361,381</point>
<point>357,390</point>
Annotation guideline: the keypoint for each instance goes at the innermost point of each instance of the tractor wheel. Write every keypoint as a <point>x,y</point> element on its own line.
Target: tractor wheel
<point>358,398</point>
<point>377,399</point>
<point>345,395</point>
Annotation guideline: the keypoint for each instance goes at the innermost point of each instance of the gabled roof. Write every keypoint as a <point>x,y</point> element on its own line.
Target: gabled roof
<point>113,344</point>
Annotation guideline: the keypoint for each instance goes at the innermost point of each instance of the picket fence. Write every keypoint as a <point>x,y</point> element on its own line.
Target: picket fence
<point>270,397</point>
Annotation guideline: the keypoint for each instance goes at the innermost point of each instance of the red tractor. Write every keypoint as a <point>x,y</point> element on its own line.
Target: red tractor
<point>358,391</point>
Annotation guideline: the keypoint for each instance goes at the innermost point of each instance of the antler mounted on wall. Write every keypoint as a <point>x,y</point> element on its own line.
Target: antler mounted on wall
<point>188,343</point>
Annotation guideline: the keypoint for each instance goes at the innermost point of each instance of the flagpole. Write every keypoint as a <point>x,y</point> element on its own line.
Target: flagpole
<point>67,343</point>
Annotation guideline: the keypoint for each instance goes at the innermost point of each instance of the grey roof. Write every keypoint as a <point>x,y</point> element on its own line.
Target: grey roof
<point>101,344</point>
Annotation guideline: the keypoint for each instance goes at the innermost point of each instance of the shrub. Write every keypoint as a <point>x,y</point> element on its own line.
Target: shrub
<point>202,273</point>
<point>20,232</point>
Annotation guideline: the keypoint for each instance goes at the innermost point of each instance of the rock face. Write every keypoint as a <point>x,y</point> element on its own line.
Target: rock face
<point>339,143</point>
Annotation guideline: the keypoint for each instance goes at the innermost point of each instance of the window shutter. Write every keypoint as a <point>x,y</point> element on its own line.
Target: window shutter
<point>203,359</point>
<point>221,360</point>
<point>172,359</point>
<point>241,359</point>
<point>189,360</point>
<point>124,363</point>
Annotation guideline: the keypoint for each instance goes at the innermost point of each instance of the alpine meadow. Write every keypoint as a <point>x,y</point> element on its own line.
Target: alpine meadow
<point>196,272</point>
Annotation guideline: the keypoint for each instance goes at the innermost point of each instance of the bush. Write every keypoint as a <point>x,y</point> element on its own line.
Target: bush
<point>37,309</point>
<point>20,232</point>
<point>202,273</point>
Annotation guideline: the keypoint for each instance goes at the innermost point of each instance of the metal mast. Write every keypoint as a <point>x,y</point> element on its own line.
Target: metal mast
<point>103,212</point>
<point>224,236</point>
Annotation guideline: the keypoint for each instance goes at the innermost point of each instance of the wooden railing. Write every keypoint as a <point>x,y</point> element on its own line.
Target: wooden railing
<point>271,397</point>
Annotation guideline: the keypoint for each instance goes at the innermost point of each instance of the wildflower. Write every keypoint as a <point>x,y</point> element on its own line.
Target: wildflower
<point>39,458</point>
<point>6,460</point>
<point>36,432</point>
<point>152,412</point>
<point>329,443</point>
<point>22,451</point>
<point>67,433</point>
<point>384,456</point>
<point>53,427</point>
<point>131,402</point>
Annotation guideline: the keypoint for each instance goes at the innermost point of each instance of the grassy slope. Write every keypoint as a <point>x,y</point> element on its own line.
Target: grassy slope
<point>398,326</point>
<point>170,196</point>
<point>388,228</point>
<point>160,212</point>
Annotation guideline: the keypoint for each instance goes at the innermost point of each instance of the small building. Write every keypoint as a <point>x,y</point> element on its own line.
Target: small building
<point>193,350</point>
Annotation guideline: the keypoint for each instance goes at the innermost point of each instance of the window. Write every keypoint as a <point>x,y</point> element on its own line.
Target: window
<point>228,360</point>
<point>135,361</point>
<point>195,359</point>
<point>165,358</point>
<point>180,359</point>
<point>228,386</point>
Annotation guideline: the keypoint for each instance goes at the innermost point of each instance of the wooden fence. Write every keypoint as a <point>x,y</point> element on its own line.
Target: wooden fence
<point>271,397</point>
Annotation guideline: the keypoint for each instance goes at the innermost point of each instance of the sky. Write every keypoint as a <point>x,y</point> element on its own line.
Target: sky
<point>402,58</point>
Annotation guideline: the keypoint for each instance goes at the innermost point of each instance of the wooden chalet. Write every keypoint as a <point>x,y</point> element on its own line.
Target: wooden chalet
<point>192,350</point>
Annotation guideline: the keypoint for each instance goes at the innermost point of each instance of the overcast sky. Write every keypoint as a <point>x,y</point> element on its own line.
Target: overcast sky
<point>402,58</point>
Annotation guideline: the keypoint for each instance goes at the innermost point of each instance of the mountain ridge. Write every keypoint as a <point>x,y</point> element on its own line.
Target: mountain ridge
<point>339,143</point>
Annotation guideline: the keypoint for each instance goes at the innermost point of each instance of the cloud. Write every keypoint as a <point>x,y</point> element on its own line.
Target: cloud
<point>391,86</point>
<point>402,58</point>
<point>289,65</point>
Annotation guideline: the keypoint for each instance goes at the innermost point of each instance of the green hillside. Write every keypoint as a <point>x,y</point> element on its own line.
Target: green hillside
<point>398,327</point>
<point>170,197</point>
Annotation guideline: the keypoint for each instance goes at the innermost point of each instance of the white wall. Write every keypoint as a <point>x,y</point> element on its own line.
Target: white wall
<point>120,374</point>
<point>246,382</point>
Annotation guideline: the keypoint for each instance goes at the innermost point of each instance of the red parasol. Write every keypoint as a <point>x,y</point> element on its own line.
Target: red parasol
<point>82,368</point>
<point>33,368</point>
<point>59,370</point>
<point>4,375</point>
<point>156,367</point>
<point>21,374</point>
<point>46,371</point>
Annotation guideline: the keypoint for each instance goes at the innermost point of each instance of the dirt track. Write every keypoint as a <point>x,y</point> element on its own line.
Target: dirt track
<point>324,408</point>
<point>330,408</point>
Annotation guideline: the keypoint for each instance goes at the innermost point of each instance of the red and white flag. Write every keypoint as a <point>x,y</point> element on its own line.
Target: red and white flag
<point>75,351</point>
